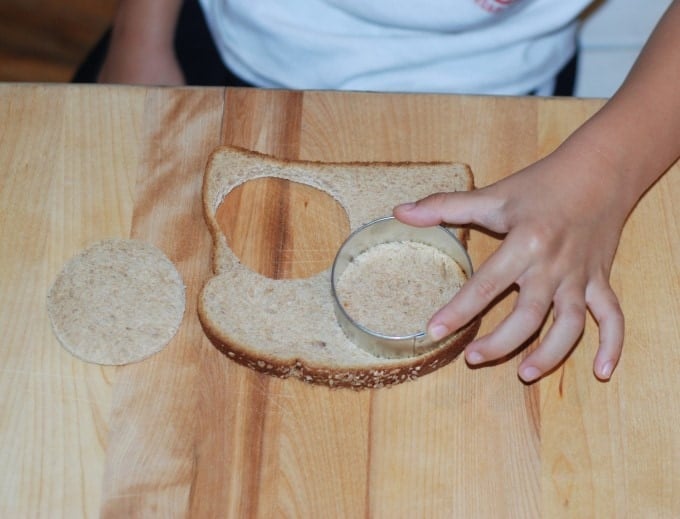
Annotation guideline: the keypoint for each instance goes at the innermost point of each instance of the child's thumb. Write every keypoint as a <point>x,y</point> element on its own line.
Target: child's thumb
<point>454,208</point>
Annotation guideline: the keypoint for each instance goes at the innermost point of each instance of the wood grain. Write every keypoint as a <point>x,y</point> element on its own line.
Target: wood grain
<point>153,423</point>
<point>405,128</point>
<point>61,188</point>
<point>189,433</point>
<point>298,471</point>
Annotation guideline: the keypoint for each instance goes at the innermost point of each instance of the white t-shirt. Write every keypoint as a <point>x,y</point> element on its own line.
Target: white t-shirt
<point>454,46</point>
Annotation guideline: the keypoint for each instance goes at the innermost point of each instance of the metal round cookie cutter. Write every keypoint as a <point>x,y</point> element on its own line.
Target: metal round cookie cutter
<point>384,230</point>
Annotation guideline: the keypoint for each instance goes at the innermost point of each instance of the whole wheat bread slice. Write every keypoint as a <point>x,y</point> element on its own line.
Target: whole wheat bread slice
<point>287,327</point>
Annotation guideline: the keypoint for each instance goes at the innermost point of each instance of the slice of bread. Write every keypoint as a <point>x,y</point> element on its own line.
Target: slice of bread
<point>288,328</point>
<point>116,302</point>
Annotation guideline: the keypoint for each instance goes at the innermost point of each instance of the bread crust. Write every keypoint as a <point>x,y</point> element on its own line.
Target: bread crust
<point>376,373</point>
<point>357,378</point>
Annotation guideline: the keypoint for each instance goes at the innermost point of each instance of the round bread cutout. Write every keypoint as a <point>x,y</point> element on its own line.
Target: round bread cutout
<point>118,301</point>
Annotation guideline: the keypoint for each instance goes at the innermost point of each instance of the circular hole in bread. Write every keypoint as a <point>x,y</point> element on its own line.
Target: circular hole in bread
<point>290,231</point>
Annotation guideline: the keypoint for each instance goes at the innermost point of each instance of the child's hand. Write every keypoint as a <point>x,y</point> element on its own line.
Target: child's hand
<point>562,218</point>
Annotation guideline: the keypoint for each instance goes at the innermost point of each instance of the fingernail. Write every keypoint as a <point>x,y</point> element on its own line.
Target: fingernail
<point>408,206</point>
<point>606,370</point>
<point>438,331</point>
<point>474,357</point>
<point>530,373</point>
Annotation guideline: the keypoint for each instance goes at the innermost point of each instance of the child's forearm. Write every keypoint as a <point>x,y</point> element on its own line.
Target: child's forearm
<point>638,131</point>
<point>148,23</point>
<point>141,50</point>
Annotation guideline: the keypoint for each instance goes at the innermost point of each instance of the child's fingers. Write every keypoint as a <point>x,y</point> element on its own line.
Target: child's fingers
<point>569,320</point>
<point>454,208</point>
<point>604,305</point>
<point>498,272</point>
<point>532,305</point>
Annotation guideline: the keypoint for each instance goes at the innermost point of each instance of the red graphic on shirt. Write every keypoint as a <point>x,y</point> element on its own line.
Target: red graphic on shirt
<point>495,6</point>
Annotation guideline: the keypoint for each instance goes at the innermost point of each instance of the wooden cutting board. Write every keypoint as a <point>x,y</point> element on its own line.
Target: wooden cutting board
<point>190,433</point>
<point>239,443</point>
